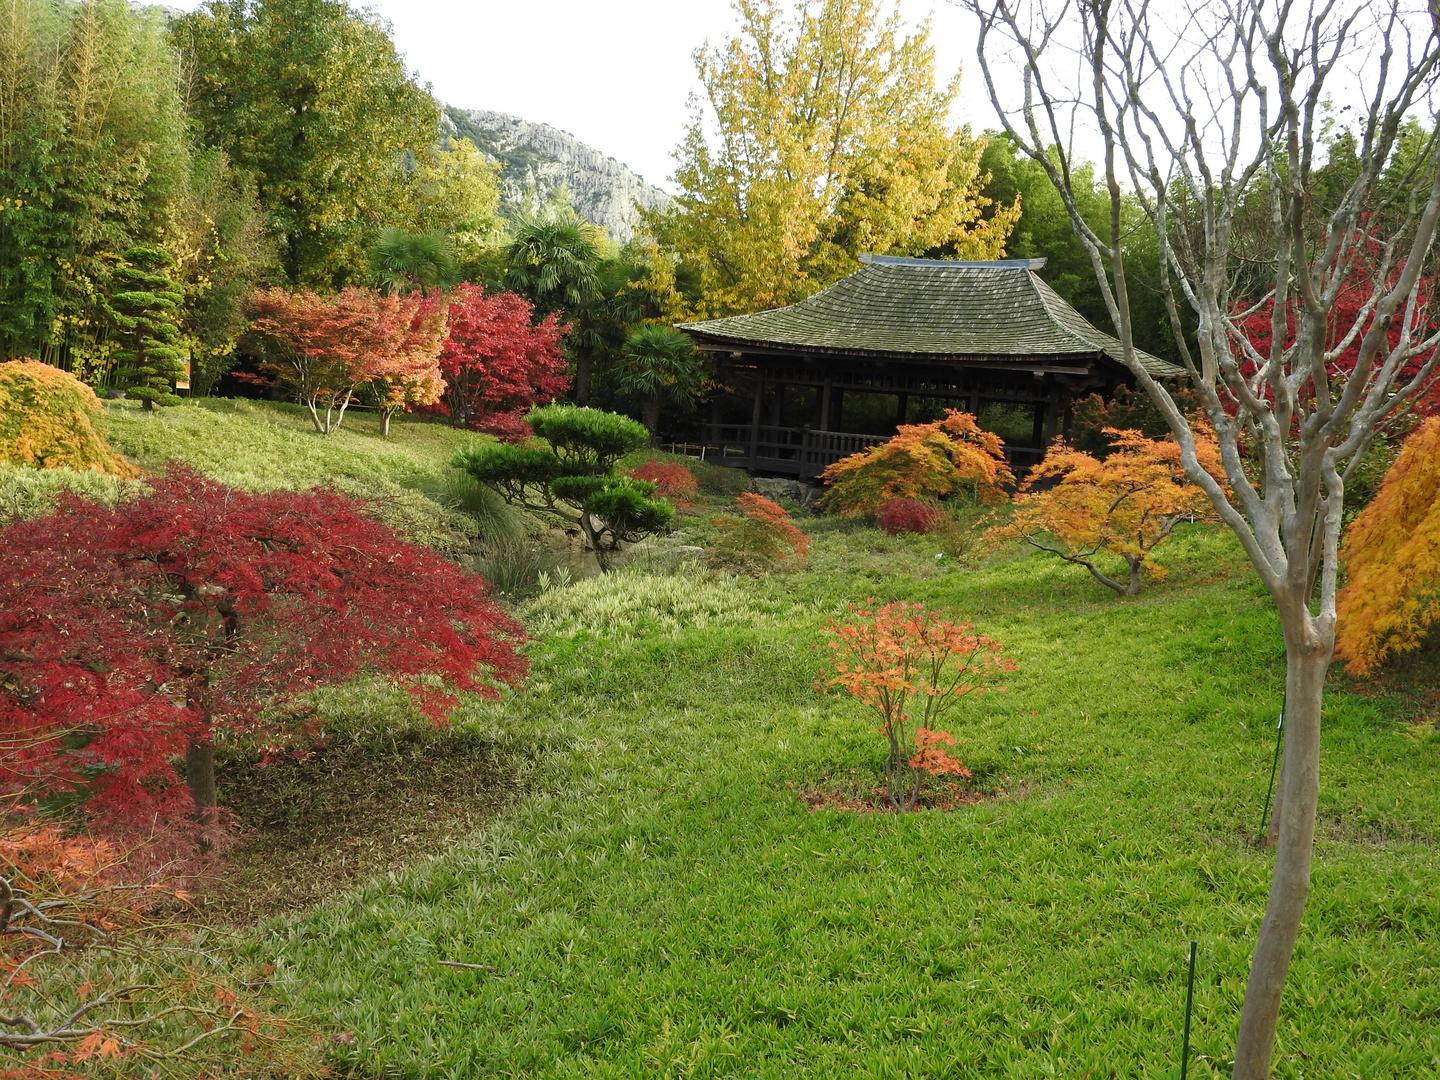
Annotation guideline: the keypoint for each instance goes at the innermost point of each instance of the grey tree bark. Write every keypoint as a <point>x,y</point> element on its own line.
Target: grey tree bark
<point>1204,113</point>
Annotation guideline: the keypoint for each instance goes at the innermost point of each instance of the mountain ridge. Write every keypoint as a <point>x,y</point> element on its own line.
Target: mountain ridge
<point>537,159</point>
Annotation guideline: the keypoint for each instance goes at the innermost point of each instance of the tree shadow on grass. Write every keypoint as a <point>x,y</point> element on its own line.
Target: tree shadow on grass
<point>322,825</point>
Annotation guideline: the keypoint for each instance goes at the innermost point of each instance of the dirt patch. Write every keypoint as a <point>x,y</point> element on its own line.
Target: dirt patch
<point>347,812</point>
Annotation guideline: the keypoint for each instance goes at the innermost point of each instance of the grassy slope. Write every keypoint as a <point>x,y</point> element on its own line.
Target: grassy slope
<point>263,445</point>
<point>666,905</point>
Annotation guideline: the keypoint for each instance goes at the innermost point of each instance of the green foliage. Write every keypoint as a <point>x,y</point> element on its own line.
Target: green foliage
<point>663,874</point>
<point>144,313</point>
<point>575,479</point>
<point>27,492</point>
<point>402,262</point>
<point>659,367</point>
<point>47,421</point>
<point>311,99</point>
<point>93,153</point>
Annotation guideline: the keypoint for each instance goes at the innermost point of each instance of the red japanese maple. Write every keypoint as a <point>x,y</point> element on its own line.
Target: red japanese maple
<point>1412,333</point>
<point>131,635</point>
<point>496,365</point>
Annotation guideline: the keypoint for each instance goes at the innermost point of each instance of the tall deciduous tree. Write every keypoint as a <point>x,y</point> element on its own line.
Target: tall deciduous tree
<point>135,633</point>
<point>311,99</point>
<point>323,348</point>
<point>830,138</point>
<point>1205,118</point>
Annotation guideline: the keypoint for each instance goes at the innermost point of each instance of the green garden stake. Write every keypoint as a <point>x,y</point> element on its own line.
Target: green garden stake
<point>1274,765</point>
<point>1189,1001</point>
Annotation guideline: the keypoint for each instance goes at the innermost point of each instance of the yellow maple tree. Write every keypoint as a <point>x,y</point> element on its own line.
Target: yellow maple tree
<point>1392,559</point>
<point>1077,506</point>
<point>927,462</point>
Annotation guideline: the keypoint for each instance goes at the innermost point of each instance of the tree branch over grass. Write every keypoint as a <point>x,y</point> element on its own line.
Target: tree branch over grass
<point>1209,116</point>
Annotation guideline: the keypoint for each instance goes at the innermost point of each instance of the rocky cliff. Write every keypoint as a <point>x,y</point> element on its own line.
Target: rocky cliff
<point>536,159</point>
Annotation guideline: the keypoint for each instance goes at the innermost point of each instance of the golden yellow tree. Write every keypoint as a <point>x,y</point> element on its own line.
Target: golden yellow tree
<point>923,461</point>
<point>1077,506</point>
<point>830,138</point>
<point>1392,558</point>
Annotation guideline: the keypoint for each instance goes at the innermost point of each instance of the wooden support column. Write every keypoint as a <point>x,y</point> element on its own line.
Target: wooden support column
<point>1037,432</point>
<point>755,418</point>
<point>825,404</point>
<point>902,402</point>
<point>1054,413</point>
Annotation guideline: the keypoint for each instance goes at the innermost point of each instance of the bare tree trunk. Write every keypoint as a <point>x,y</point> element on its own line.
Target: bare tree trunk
<point>1307,657</point>
<point>582,377</point>
<point>385,423</point>
<point>200,774</point>
<point>650,417</point>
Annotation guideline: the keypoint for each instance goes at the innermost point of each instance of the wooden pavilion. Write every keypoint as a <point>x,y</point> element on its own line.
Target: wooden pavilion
<point>899,341</point>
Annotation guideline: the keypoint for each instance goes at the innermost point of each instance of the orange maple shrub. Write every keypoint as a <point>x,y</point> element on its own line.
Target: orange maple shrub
<point>926,462</point>
<point>762,533</point>
<point>899,659</point>
<point>1126,505</point>
<point>1392,560</point>
<point>47,421</point>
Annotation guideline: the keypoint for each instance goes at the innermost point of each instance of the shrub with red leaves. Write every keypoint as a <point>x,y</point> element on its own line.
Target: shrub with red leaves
<point>133,634</point>
<point>672,481</point>
<point>910,516</point>
<point>497,365</point>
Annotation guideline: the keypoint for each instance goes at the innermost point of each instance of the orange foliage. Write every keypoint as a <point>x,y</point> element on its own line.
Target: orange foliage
<point>764,531</point>
<point>1126,505</point>
<point>923,461</point>
<point>47,421</point>
<point>901,653</point>
<point>1392,558</point>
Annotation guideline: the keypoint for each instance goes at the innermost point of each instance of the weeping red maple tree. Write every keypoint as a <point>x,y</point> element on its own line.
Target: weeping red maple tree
<point>132,636</point>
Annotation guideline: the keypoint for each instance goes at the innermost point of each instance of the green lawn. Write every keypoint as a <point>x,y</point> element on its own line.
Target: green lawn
<point>664,903</point>
<point>661,901</point>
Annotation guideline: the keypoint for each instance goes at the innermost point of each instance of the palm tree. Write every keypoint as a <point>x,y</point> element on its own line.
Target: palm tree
<point>402,262</point>
<point>554,262</point>
<point>659,367</point>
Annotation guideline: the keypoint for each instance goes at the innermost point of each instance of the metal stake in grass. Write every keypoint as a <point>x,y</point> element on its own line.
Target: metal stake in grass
<point>1274,765</point>
<point>1189,1001</point>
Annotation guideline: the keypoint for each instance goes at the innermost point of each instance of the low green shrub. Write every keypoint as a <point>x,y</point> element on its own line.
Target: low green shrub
<point>27,492</point>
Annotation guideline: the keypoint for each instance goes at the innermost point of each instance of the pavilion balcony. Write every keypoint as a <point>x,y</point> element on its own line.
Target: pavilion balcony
<point>800,452</point>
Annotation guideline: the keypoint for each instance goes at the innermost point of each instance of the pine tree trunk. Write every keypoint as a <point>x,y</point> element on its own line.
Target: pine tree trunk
<point>1307,656</point>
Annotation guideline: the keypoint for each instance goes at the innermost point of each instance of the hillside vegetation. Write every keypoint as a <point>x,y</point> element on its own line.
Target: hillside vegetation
<point>677,891</point>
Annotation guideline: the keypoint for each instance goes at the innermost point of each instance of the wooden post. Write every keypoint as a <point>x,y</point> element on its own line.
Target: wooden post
<point>902,403</point>
<point>755,418</point>
<point>825,404</point>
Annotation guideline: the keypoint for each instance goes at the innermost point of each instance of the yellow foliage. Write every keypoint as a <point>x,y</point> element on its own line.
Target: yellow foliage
<point>1392,559</point>
<point>923,461</point>
<point>833,139</point>
<point>47,421</point>
<point>1077,506</point>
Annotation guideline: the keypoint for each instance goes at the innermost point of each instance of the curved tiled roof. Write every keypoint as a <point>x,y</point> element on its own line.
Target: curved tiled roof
<point>929,308</point>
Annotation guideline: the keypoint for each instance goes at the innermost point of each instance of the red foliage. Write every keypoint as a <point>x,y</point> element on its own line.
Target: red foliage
<point>496,365</point>
<point>763,532</point>
<point>910,516</point>
<point>672,481</point>
<point>1350,319</point>
<point>127,634</point>
<point>323,347</point>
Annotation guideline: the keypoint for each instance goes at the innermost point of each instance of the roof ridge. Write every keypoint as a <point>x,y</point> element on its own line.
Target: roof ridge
<point>1036,285</point>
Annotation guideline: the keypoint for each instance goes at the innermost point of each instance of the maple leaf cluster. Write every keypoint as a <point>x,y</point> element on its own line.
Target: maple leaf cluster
<point>762,532</point>
<point>325,347</point>
<point>910,516</point>
<point>1392,560</point>
<point>130,635</point>
<point>926,462</point>
<point>47,420</point>
<point>890,658</point>
<point>672,480</point>
<point>1077,506</point>
<point>497,365</point>
<point>1351,319</point>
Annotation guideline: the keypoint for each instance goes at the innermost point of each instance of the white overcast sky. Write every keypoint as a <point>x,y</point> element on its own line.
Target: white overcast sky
<point>613,73</point>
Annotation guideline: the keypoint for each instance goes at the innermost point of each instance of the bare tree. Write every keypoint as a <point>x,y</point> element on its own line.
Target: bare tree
<point>1206,110</point>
